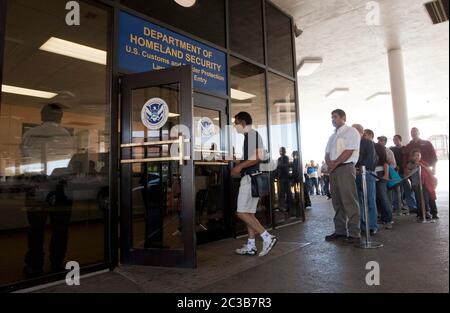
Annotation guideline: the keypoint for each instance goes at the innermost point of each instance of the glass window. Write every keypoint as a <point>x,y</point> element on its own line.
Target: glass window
<point>246,31</point>
<point>248,94</point>
<point>54,139</point>
<point>279,40</point>
<point>284,151</point>
<point>206,19</point>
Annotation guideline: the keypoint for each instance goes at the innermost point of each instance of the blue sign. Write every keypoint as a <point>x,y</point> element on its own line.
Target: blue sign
<point>144,46</point>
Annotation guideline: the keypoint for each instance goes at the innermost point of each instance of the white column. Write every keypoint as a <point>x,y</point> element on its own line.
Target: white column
<point>398,92</point>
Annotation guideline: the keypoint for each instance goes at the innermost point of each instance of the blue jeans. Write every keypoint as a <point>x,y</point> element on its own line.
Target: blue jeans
<point>383,203</point>
<point>372,200</point>
<point>407,196</point>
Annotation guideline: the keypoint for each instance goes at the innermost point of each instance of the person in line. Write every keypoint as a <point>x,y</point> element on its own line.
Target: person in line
<point>367,158</point>
<point>246,204</point>
<point>428,191</point>
<point>326,179</point>
<point>406,191</point>
<point>342,154</point>
<point>284,181</point>
<point>313,173</point>
<point>390,157</point>
<point>429,157</point>
<point>382,140</point>
<point>382,170</point>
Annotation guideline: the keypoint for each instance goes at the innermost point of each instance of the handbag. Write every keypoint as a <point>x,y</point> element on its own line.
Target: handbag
<point>260,185</point>
<point>395,178</point>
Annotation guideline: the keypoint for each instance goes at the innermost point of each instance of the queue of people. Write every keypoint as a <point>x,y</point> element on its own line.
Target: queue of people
<point>349,149</point>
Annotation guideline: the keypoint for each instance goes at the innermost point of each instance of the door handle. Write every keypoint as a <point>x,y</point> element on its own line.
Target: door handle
<point>181,158</point>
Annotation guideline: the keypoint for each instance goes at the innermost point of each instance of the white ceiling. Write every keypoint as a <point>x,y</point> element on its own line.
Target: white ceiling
<point>355,57</point>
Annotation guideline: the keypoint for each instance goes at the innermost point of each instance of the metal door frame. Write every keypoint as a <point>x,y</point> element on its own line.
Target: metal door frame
<point>187,257</point>
<point>217,104</point>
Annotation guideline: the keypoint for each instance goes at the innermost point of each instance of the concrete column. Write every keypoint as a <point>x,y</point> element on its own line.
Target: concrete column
<point>398,92</point>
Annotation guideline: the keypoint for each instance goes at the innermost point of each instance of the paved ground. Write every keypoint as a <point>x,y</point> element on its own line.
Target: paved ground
<point>415,259</point>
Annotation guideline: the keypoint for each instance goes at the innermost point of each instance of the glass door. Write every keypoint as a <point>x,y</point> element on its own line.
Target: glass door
<point>212,170</point>
<point>157,169</point>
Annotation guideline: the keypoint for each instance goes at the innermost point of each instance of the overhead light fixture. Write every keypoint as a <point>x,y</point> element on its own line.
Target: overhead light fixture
<point>28,92</point>
<point>337,93</point>
<point>74,50</point>
<point>309,66</point>
<point>186,3</point>
<point>241,95</point>
<point>171,115</point>
<point>379,96</point>
<point>284,104</point>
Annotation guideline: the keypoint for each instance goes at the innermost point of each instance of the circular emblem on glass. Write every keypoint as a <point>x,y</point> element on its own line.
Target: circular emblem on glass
<point>155,114</point>
<point>206,126</point>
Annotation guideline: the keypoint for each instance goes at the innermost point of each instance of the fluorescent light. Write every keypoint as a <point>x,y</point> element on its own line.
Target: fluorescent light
<point>186,3</point>
<point>379,96</point>
<point>74,50</point>
<point>174,115</point>
<point>28,92</point>
<point>337,93</point>
<point>283,104</point>
<point>241,95</point>
<point>309,66</point>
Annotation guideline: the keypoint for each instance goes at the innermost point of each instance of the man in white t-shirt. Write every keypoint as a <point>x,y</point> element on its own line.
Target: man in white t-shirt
<point>342,154</point>
<point>42,145</point>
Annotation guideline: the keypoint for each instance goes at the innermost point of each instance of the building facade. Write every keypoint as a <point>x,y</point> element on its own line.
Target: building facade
<point>116,130</point>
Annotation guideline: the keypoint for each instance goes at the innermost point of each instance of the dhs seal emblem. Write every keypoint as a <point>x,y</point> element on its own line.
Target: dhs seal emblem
<point>155,114</point>
<point>206,127</point>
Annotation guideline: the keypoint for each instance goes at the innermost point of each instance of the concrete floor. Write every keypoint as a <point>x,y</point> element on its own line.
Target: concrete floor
<point>415,258</point>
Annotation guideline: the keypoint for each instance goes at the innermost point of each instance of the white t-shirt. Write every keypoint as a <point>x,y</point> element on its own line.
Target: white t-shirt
<point>344,138</point>
<point>47,143</point>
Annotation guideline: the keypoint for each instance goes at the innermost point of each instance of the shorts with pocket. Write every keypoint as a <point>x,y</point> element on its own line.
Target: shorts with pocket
<point>246,203</point>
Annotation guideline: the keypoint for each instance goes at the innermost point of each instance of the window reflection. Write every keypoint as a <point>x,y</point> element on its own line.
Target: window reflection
<point>284,141</point>
<point>246,30</point>
<point>279,41</point>
<point>54,142</point>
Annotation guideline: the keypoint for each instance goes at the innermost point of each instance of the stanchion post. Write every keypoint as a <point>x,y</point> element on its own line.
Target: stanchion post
<point>422,200</point>
<point>366,203</point>
<point>368,244</point>
<point>399,199</point>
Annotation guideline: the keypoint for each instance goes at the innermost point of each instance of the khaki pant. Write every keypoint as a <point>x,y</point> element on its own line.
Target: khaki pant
<point>345,201</point>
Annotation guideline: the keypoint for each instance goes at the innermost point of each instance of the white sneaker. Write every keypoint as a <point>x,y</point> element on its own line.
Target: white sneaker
<point>268,245</point>
<point>246,250</point>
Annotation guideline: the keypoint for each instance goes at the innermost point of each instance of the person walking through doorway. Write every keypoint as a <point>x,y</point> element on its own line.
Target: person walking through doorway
<point>246,204</point>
